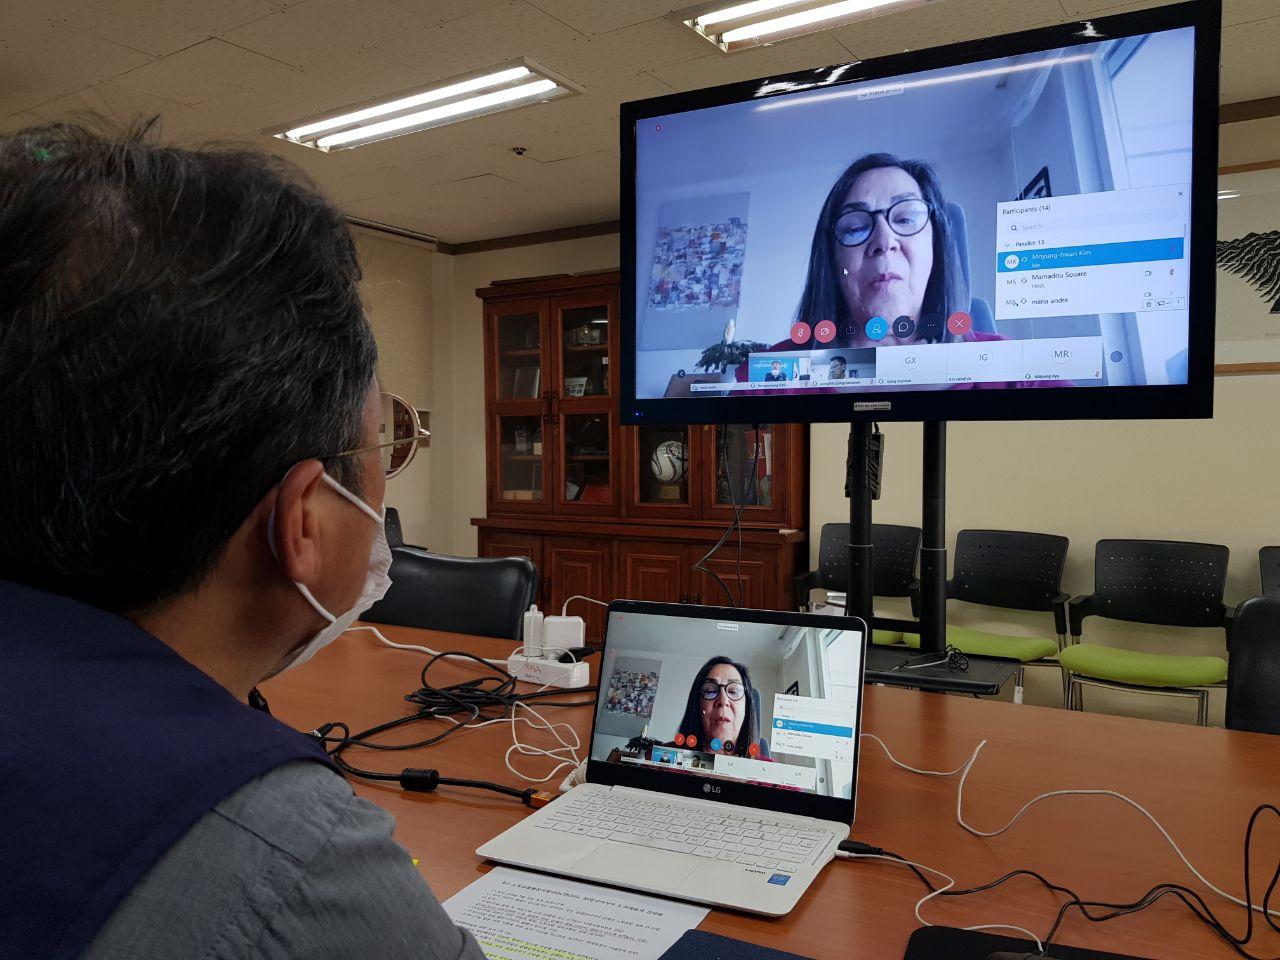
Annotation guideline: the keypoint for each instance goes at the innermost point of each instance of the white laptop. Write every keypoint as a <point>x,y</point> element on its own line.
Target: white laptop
<point>723,761</point>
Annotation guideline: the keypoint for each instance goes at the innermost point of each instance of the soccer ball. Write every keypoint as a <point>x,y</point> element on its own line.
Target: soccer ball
<point>669,462</point>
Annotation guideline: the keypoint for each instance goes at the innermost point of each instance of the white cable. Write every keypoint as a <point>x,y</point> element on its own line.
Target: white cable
<point>924,773</point>
<point>517,746</point>
<point>564,610</point>
<point>937,893</point>
<point>427,650</point>
<point>968,767</point>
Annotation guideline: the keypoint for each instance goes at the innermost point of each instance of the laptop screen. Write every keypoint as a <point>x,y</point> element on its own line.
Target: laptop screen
<point>771,704</point>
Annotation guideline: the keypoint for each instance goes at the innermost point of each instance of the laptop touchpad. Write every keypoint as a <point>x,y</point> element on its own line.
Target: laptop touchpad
<point>639,866</point>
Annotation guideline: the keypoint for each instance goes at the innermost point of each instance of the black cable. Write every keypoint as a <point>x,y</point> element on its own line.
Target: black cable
<point>722,463</point>
<point>1190,898</point>
<point>756,444</point>
<point>491,697</point>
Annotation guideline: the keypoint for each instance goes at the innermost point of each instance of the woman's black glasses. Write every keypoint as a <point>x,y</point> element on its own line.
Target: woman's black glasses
<point>734,689</point>
<point>906,218</point>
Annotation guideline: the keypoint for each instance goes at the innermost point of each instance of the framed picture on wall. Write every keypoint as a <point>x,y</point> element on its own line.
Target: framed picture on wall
<point>1248,258</point>
<point>628,695</point>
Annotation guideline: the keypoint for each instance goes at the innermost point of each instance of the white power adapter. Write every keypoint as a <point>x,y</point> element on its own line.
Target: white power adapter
<point>562,633</point>
<point>545,638</point>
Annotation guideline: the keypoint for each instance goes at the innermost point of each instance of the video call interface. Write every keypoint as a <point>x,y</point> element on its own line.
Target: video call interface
<point>764,704</point>
<point>1010,223</point>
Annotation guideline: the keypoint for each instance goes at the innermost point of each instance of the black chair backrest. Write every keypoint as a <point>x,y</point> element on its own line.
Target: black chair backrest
<point>1168,582</point>
<point>1269,563</point>
<point>1008,568</point>
<point>395,536</point>
<point>482,597</point>
<point>895,550</point>
<point>1253,671</point>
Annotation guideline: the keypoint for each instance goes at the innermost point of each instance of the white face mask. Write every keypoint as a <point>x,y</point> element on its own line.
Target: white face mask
<point>376,584</point>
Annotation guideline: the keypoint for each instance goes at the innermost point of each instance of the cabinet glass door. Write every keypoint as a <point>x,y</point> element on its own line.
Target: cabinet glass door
<point>583,328</point>
<point>519,361</point>
<point>586,459</point>
<point>521,461</point>
<point>659,465</point>
<point>747,464</point>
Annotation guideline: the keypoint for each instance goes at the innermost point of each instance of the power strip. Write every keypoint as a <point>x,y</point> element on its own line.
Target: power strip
<point>551,673</point>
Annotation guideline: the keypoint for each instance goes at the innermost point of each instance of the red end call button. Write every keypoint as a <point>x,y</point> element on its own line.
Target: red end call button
<point>959,323</point>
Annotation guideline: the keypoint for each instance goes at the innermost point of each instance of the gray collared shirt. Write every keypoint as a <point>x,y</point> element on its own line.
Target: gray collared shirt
<point>292,865</point>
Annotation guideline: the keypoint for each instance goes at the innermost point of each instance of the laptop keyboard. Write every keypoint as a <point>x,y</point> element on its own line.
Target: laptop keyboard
<point>736,835</point>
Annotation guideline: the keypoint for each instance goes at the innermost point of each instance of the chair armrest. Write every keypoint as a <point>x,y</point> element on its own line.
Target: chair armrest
<point>1077,609</point>
<point>914,593</point>
<point>804,583</point>
<point>1060,613</point>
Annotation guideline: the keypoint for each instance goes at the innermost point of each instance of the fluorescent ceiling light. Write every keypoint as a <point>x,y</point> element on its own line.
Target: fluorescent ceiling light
<point>504,87</point>
<point>744,10</point>
<point>743,25</point>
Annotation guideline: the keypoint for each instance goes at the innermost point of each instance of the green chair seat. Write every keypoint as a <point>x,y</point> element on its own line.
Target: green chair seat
<point>884,638</point>
<point>1142,669</point>
<point>981,643</point>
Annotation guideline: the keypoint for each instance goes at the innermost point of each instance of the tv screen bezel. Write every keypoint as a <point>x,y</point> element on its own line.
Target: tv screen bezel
<point>1193,399</point>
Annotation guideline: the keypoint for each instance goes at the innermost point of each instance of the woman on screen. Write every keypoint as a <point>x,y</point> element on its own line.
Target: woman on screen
<point>883,247</point>
<point>719,716</point>
<point>885,269</point>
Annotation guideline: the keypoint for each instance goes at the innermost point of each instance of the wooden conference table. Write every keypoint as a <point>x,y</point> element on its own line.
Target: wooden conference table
<point>1201,783</point>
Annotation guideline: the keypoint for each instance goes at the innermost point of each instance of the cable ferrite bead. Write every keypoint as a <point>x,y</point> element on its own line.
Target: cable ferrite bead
<point>419,779</point>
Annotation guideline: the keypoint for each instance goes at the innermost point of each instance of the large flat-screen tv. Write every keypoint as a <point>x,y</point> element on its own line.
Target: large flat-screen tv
<point>1013,228</point>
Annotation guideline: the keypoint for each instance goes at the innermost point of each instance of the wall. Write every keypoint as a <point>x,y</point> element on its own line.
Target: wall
<point>397,290</point>
<point>458,446</point>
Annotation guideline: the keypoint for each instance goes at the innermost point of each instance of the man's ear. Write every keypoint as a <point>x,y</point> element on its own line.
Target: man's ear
<point>296,530</point>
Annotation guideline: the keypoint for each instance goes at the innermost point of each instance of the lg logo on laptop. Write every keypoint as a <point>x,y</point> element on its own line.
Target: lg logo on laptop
<point>708,788</point>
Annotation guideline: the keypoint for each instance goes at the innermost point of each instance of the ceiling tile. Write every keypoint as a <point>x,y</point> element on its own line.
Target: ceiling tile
<point>814,50</point>
<point>22,16</point>
<point>56,59</point>
<point>1249,65</point>
<point>593,17</point>
<point>479,40</point>
<point>946,22</point>
<point>20,121</point>
<point>161,27</point>
<point>16,97</point>
<point>316,32</point>
<point>206,71</point>
<point>1246,11</point>
<point>1089,8</point>
<point>435,12</point>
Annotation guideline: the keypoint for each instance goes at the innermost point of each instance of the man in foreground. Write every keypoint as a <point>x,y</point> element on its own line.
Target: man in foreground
<point>192,501</point>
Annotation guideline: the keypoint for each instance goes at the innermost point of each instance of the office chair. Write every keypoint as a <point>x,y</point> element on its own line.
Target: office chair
<point>1253,675</point>
<point>895,550</point>
<point>482,597</point>
<point>1269,565</point>
<point>1164,582</point>
<point>1016,571</point>
<point>979,309</point>
<point>395,536</point>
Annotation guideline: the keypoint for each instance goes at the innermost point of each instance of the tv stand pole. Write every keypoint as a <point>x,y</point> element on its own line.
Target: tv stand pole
<point>933,552</point>
<point>858,599</point>
<point>933,546</point>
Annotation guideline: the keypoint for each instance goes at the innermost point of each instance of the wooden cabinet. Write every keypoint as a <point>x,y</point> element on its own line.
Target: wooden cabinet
<point>651,570</point>
<point>578,567</point>
<point>622,512</point>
